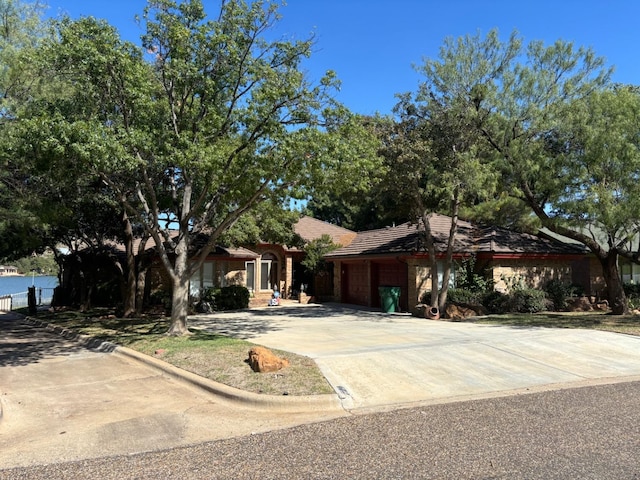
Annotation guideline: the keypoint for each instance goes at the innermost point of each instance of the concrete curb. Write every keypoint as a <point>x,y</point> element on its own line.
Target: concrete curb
<point>284,403</point>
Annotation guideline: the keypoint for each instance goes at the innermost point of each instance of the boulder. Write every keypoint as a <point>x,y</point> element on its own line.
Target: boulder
<point>459,311</point>
<point>579,304</point>
<point>263,360</point>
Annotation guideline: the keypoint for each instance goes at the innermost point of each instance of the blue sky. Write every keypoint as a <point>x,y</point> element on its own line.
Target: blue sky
<point>373,44</point>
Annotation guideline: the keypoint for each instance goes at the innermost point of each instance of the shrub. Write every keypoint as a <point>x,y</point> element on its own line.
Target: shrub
<point>495,302</point>
<point>558,292</point>
<point>233,297</point>
<point>162,297</point>
<point>463,295</point>
<point>528,300</point>
<point>632,291</point>
<point>468,278</point>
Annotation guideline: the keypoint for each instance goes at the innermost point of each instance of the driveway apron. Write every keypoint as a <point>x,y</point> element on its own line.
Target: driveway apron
<point>375,360</point>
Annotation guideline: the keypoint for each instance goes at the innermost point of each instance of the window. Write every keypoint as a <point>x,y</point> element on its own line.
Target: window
<point>630,273</point>
<point>251,275</point>
<point>269,272</point>
<point>202,279</point>
<point>452,275</point>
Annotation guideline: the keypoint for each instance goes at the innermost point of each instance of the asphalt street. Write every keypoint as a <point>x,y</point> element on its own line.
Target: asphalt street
<point>580,433</point>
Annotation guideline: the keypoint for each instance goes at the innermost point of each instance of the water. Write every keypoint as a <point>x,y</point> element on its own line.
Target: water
<point>11,285</point>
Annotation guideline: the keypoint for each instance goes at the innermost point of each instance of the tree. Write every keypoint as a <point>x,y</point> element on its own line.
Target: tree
<point>190,136</point>
<point>522,99</point>
<point>438,162</point>
<point>21,29</point>
<point>594,196</point>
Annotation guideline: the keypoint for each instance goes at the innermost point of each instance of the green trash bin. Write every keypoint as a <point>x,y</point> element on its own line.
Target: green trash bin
<point>389,297</point>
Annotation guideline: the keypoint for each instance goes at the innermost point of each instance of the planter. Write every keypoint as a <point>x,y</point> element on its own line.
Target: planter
<point>432,313</point>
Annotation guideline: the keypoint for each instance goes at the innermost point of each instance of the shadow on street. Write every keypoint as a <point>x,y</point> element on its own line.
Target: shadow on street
<point>23,344</point>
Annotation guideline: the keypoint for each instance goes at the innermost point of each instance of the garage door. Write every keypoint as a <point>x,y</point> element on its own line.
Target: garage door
<point>355,284</point>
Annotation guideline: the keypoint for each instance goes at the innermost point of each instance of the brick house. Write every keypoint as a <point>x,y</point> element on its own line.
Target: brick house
<point>395,256</point>
<point>263,268</point>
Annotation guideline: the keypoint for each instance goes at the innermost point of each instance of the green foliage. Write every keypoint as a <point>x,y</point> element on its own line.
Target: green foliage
<point>162,298</point>
<point>40,264</point>
<point>527,300</point>
<point>469,278</point>
<point>315,250</point>
<point>496,302</point>
<point>558,292</point>
<point>231,297</point>
<point>632,290</point>
<point>465,296</point>
<point>519,300</point>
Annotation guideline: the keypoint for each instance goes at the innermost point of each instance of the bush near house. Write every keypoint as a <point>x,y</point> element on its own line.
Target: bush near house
<point>232,297</point>
<point>559,292</point>
<point>632,291</point>
<point>521,300</point>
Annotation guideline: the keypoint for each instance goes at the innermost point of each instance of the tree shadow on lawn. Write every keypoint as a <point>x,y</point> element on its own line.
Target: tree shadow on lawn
<point>562,320</point>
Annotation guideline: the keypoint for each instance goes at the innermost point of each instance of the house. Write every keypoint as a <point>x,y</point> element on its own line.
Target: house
<point>279,267</point>
<point>263,268</point>
<point>396,256</point>
<point>8,270</point>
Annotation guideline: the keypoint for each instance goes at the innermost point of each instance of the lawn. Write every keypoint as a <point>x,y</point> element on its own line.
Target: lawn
<point>217,357</point>
<point>629,324</point>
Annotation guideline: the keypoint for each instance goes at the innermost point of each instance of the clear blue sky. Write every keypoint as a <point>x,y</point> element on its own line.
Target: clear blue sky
<point>373,44</point>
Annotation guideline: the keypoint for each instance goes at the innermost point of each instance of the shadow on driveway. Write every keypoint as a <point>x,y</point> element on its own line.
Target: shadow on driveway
<point>23,344</point>
<point>255,322</point>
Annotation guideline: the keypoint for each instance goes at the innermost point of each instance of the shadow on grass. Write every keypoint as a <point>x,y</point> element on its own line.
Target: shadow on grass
<point>599,321</point>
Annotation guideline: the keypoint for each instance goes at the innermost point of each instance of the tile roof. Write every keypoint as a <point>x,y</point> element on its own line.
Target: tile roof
<point>310,229</point>
<point>229,252</point>
<point>470,238</point>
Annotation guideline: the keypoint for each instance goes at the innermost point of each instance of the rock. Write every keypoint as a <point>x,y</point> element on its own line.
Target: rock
<point>263,360</point>
<point>579,304</point>
<point>458,311</point>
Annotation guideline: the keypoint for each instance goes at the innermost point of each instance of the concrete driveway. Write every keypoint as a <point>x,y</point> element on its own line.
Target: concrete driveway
<point>375,360</point>
<point>60,401</point>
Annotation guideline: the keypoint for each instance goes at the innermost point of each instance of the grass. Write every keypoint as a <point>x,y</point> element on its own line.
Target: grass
<point>628,324</point>
<point>217,357</point>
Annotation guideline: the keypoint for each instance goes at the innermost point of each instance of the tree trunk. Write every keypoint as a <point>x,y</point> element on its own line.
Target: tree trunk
<point>615,291</point>
<point>446,273</point>
<point>433,261</point>
<point>180,296</point>
<point>129,291</point>
<point>141,283</point>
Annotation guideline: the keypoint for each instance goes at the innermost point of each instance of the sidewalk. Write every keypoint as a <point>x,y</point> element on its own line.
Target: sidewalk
<point>60,401</point>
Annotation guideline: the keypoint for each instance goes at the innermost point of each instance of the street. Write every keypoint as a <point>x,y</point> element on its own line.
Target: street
<point>585,433</point>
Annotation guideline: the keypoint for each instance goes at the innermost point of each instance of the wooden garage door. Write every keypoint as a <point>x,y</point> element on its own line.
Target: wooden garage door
<point>355,284</point>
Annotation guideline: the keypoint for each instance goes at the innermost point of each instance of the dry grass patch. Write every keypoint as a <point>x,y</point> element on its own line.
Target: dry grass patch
<point>628,324</point>
<point>217,357</point>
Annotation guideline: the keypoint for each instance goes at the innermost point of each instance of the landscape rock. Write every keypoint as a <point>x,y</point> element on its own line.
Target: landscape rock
<point>263,360</point>
<point>459,311</point>
<point>579,304</point>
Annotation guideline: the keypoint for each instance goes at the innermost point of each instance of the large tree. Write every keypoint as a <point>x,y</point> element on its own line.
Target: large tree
<point>194,131</point>
<point>540,108</point>
<point>21,29</point>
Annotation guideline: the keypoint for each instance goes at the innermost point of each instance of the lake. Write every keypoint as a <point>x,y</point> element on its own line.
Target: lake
<point>11,285</point>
